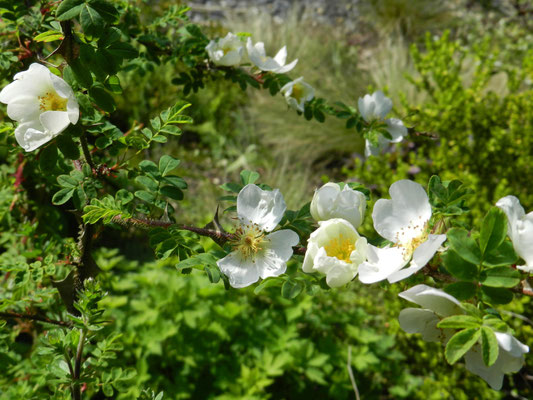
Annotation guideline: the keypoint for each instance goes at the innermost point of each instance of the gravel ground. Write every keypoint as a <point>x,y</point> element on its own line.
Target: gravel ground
<point>335,12</point>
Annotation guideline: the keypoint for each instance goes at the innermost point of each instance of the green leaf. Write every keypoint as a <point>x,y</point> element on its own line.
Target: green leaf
<point>68,147</point>
<point>103,142</point>
<point>461,290</point>
<point>67,181</point>
<point>145,196</point>
<point>172,192</point>
<point>458,267</point>
<point>167,164</point>
<point>249,177</point>
<point>102,98</point>
<point>464,245</point>
<point>123,196</point>
<point>147,182</point>
<point>49,36</point>
<point>291,289</point>
<point>113,84</point>
<point>196,260</point>
<point>91,21</point>
<point>495,296</point>
<point>81,73</point>
<point>268,282</point>
<point>106,10</point>
<point>493,230</point>
<point>68,9</point>
<point>505,277</point>
<point>62,196</point>
<point>105,209</point>
<point>149,167</point>
<point>503,255</point>
<point>489,346</point>
<point>460,343</point>
<point>48,158</point>
<point>459,322</point>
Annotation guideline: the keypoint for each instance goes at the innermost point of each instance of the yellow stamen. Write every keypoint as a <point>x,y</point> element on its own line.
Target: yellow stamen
<point>249,241</point>
<point>51,101</point>
<point>340,247</point>
<point>297,92</point>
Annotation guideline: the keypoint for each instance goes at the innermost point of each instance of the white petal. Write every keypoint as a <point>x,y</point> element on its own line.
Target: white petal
<point>286,68</point>
<point>520,229</point>
<point>341,275</point>
<point>366,107</point>
<point>512,207</point>
<point>421,256</point>
<point>281,56</point>
<point>404,216</point>
<point>55,121</point>
<point>323,199</point>
<point>371,150</point>
<point>381,263</point>
<point>474,363</point>
<point>397,129</point>
<point>73,110</point>
<point>417,320</point>
<point>310,253</point>
<point>383,105</point>
<point>433,299</point>
<point>24,108</point>
<point>282,242</point>
<point>511,345</point>
<point>270,264</point>
<point>261,207</point>
<point>31,135</point>
<point>241,272</point>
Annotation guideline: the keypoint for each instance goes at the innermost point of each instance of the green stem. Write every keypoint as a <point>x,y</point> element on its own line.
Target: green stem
<point>76,395</point>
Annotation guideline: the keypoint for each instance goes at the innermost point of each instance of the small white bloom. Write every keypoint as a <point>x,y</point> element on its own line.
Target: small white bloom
<point>42,103</point>
<point>331,202</point>
<point>437,305</point>
<point>336,250</point>
<point>297,93</point>
<point>258,57</point>
<point>375,107</point>
<point>404,220</point>
<point>520,229</point>
<point>227,51</point>
<point>258,254</point>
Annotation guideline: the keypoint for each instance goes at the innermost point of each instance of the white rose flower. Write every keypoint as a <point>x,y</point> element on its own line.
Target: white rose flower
<point>331,202</point>
<point>336,250</point>
<point>375,107</point>
<point>258,57</point>
<point>520,229</point>
<point>297,93</point>
<point>258,254</point>
<point>404,220</point>
<point>42,103</point>
<point>437,305</point>
<point>227,51</point>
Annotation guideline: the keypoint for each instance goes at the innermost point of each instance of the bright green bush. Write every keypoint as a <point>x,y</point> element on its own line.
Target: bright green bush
<point>468,130</point>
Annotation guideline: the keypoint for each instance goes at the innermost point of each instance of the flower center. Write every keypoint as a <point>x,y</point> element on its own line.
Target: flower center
<point>249,241</point>
<point>51,101</point>
<point>297,92</point>
<point>340,247</point>
<point>410,245</point>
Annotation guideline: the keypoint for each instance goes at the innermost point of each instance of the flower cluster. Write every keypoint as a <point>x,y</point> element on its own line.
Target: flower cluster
<point>336,247</point>
<point>232,51</point>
